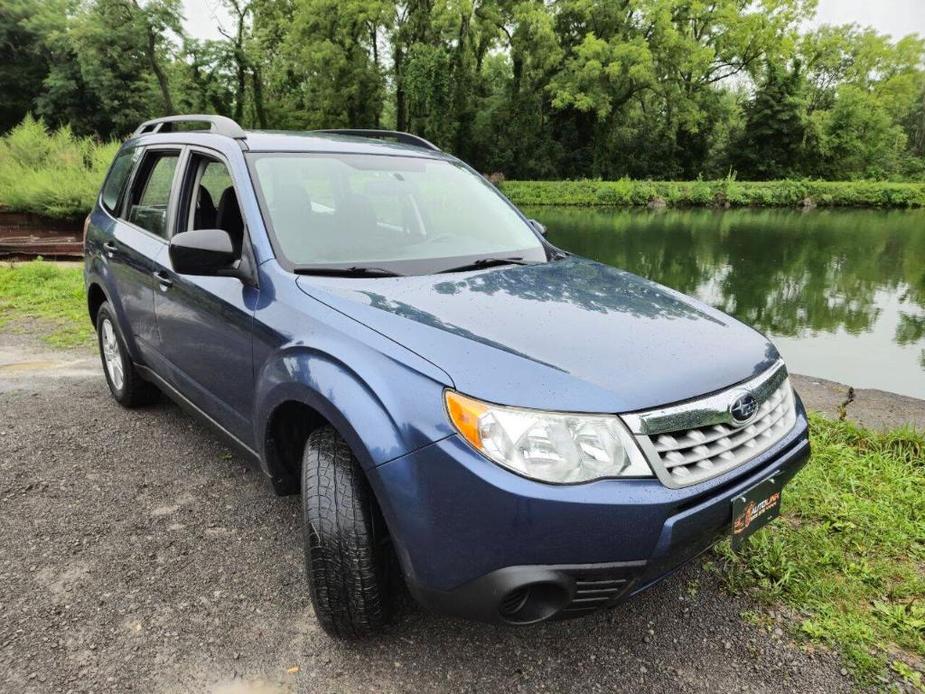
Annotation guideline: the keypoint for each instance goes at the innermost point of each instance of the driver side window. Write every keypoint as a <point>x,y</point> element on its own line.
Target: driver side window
<point>211,201</point>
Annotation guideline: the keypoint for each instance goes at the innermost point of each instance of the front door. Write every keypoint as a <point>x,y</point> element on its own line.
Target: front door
<point>205,323</point>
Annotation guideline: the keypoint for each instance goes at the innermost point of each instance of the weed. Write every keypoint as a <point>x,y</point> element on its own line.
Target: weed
<point>848,552</point>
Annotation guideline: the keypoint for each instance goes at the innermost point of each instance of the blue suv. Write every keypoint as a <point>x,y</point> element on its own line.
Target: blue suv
<point>515,433</point>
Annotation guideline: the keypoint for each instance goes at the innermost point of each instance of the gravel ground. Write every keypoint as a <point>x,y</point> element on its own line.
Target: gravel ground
<point>138,554</point>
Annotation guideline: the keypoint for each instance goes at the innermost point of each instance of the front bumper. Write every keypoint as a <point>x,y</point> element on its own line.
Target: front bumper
<point>477,541</point>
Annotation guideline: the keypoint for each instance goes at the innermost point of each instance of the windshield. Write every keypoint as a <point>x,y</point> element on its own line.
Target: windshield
<point>406,215</point>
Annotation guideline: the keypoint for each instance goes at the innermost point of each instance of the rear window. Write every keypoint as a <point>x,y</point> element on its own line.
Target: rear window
<point>115,181</point>
<point>150,195</point>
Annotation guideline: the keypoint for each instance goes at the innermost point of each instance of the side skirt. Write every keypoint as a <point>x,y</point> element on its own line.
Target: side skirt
<point>193,409</point>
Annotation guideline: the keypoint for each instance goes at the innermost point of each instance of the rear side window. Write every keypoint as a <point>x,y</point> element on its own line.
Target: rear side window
<point>150,194</point>
<point>115,181</point>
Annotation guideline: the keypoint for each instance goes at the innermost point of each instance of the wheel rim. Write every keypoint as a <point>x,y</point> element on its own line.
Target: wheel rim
<point>112,355</point>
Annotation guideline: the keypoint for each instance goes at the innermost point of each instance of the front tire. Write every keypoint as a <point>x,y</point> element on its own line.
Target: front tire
<point>126,385</point>
<point>347,555</point>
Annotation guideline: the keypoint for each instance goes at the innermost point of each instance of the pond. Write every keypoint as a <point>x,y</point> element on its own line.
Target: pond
<point>840,292</point>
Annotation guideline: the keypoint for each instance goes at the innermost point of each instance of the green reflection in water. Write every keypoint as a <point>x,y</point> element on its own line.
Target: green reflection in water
<point>842,292</point>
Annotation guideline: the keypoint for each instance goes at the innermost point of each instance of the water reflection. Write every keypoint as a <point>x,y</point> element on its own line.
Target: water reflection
<point>590,286</point>
<point>842,292</point>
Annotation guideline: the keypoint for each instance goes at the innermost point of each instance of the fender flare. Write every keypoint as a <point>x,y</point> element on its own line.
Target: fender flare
<point>369,417</point>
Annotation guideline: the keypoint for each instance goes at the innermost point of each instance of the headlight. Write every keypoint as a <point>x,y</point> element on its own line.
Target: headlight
<point>548,446</point>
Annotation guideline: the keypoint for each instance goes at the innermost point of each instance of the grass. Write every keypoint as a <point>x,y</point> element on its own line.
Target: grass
<point>848,554</point>
<point>48,295</point>
<point>720,193</point>
<point>55,174</point>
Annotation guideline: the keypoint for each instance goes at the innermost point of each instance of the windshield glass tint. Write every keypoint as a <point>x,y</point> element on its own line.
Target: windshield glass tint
<point>389,211</point>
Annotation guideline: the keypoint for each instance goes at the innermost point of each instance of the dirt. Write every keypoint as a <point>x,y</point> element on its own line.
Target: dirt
<point>137,553</point>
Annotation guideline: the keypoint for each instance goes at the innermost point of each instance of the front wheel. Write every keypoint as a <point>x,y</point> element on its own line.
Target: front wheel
<point>347,554</point>
<point>125,384</point>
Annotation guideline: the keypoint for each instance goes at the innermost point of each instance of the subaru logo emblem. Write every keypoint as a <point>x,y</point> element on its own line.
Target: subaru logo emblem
<point>743,408</point>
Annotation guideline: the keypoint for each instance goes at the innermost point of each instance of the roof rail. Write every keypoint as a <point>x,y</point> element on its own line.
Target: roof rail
<point>397,135</point>
<point>217,124</point>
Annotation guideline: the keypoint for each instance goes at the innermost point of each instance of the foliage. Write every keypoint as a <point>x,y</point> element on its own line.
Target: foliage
<point>847,554</point>
<point>59,175</point>
<point>858,139</point>
<point>775,123</point>
<point>328,53</point>
<point>56,174</point>
<point>717,193</point>
<point>47,294</point>
<point>660,89</point>
<point>23,60</point>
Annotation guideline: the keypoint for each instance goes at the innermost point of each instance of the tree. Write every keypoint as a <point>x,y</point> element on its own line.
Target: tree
<point>858,138</point>
<point>531,88</point>
<point>24,56</point>
<point>775,125</point>
<point>204,77</point>
<point>331,55</point>
<point>107,69</point>
<point>156,18</point>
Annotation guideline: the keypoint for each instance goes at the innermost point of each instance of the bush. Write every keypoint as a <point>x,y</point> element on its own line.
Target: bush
<point>727,191</point>
<point>51,173</point>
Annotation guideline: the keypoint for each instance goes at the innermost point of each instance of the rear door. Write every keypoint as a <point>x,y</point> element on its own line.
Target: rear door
<point>138,238</point>
<point>206,323</point>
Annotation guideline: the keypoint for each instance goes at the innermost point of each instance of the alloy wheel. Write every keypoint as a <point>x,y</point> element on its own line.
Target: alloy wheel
<point>112,355</point>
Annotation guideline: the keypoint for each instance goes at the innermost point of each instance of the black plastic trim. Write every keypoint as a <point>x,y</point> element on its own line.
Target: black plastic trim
<point>484,598</point>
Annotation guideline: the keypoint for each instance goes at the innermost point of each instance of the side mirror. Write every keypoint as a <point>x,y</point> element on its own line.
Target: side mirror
<point>203,252</point>
<point>538,226</point>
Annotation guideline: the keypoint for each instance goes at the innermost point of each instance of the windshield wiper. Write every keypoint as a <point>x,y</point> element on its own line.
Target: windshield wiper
<point>488,262</point>
<point>353,271</point>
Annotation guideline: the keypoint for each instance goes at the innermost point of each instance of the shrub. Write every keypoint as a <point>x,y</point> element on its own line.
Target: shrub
<point>728,191</point>
<point>51,173</point>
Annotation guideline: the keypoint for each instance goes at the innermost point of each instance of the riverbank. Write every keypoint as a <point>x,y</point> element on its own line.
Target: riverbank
<point>721,193</point>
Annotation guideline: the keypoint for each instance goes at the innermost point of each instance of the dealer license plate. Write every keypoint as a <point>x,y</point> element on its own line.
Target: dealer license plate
<point>755,508</point>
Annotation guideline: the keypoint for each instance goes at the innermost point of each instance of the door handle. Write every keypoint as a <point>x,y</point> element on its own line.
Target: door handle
<point>110,248</point>
<point>163,279</point>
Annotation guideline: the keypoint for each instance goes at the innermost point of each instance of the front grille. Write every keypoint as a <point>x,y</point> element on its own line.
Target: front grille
<point>699,440</point>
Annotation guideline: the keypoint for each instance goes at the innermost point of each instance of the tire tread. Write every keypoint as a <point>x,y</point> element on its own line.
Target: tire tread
<point>344,560</point>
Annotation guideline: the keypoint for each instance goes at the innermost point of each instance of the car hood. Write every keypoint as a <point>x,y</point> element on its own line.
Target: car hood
<point>571,335</point>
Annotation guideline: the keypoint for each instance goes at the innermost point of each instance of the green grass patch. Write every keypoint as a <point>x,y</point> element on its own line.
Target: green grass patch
<point>47,299</point>
<point>720,193</point>
<point>55,174</point>
<point>848,554</point>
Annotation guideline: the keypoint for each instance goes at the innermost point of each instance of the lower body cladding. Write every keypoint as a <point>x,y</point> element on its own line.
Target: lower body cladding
<point>477,541</point>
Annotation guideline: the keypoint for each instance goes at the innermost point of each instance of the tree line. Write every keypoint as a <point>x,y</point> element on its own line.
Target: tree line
<point>661,89</point>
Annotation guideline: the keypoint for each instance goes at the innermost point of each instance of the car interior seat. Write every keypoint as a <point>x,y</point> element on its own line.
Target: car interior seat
<point>228,217</point>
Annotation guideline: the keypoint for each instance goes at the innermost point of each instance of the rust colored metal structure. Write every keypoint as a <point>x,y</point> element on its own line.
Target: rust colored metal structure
<point>29,235</point>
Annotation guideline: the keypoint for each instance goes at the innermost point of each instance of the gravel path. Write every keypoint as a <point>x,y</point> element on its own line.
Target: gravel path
<point>138,554</point>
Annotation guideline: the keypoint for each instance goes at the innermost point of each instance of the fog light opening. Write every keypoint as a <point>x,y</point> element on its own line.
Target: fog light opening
<point>533,603</point>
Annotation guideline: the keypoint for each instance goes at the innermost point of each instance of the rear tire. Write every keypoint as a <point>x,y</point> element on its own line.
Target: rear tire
<point>127,387</point>
<point>347,554</point>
